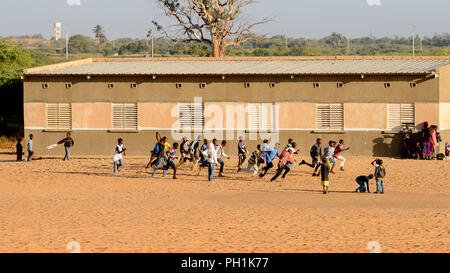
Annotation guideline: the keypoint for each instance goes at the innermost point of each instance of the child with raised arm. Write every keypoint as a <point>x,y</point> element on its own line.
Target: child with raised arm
<point>68,143</point>
<point>380,174</point>
<point>118,155</point>
<point>338,153</point>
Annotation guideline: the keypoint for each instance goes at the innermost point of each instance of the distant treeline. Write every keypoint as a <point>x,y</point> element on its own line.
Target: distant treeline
<point>279,45</point>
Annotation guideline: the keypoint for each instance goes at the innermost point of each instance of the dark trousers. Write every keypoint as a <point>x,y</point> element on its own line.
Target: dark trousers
<point>242,158</point>
<point>30,155</point>
<point>170,164</point>
<point>266,169</point>
<point>315,164</point>
<point>19,156</point>
<point>280,170</point>
<point>222,164</point>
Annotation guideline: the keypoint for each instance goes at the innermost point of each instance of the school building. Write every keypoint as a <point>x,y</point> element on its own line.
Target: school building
<point>363,100</point>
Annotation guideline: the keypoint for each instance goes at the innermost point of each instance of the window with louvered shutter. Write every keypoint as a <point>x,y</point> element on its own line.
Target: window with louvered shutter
<point>124,116</point>
<point>261,117</point>
<point>59,116</point>
<point>400,114</point>
<point>330,117</point>
<point>191,116</point>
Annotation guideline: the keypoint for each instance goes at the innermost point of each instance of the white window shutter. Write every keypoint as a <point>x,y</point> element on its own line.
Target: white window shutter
<point>59,116</point>
<point>408,114</point>
<point>330,117</point>
<point>399,114</point>
<point>191,116</point>
<point>336,117</point>
<point>124,116</point>
<point>260,116</point>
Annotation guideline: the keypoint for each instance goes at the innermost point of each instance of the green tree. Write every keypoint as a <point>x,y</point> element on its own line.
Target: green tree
<point>81,44</point>
<point>99,34</point>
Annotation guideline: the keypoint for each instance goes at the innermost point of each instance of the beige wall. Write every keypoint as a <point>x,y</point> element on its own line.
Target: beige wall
<point>365,116</point>
<point>427,112</point>
<point>34,115</point>
<point>91,115</point>
<point>157,115</point>
<point>297,115</point>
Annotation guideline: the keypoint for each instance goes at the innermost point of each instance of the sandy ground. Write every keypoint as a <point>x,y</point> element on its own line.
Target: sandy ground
<point>46,204</point>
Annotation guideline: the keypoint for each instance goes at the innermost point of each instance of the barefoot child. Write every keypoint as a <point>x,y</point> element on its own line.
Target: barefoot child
<point>363,182</point>
<point>380,173</point>
<point>324,172</point>
<point>118,158</point>
<point>19,149</point>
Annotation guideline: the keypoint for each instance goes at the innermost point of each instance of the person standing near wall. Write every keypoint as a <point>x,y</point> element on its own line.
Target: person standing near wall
<point>426,142</point>
<point>407,134</point>
<point>30,148</point>
<point>19,149</point>
<point>68,143</point>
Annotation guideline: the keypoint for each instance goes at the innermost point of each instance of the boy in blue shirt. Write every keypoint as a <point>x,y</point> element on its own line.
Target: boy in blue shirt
<point>271,154</point>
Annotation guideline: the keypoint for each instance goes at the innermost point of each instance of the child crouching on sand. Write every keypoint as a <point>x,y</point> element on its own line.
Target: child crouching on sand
<point>324,173</point>
<point>363,182</point>
<point>118,158</point>
<point>380,174</point>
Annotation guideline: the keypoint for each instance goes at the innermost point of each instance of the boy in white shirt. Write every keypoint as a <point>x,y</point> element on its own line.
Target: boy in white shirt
<point>212,159</point>
<point>328,152</point>
<point>220,149</point>
<point>118,158</point>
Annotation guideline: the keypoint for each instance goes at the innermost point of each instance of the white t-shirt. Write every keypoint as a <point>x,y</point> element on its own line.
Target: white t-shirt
<point>329,152</point>
<point>118,156</point>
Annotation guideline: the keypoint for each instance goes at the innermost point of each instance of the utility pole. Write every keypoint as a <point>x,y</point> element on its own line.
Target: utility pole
<point>348,46</point>
<point>414,40</point>
<point>67,45</point>
<point>153,46</point>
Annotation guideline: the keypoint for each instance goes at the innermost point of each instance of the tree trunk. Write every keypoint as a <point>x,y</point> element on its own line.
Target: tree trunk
<point>216,49</point>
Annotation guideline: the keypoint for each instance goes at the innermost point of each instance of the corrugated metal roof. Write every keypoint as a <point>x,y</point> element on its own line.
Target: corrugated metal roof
<point>248,67</point>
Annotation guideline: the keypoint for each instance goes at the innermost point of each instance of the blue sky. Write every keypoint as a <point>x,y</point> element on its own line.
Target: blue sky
<point>296,18</point>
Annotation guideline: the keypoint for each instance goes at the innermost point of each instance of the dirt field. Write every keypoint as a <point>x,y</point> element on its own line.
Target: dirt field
<point>46,204</point>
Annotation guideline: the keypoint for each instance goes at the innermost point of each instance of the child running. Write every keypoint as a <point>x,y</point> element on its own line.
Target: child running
<point>242,152</point>
<point>316,154</point>
<point>220,150</point>
<point>363,182</point>
<point>160,154</point>
<point>324,173</point>
<point>253,162</point>
<point>338,153</point>
<point>171,155</point>
<point>328,152</point>
<point>283,165</point>
<point>380,174</point>
<point>118,158</point>
<point>154,152</point>
<point>270,155</point>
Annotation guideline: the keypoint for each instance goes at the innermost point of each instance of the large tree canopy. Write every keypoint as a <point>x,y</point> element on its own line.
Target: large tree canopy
<point>217,23</point>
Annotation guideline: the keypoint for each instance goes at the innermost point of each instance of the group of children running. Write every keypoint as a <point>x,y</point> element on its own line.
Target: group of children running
<point>210,153</point>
